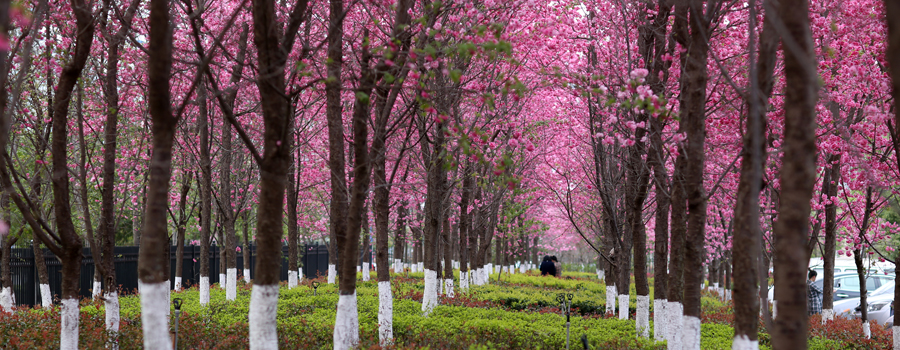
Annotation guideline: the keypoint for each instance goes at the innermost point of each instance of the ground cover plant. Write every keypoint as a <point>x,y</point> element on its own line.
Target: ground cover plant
<point>469,320</point>
<point>664,145</point>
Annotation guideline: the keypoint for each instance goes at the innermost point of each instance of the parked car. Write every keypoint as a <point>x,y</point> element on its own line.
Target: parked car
<point>847,307</point>
<point>879,308</point>
<point>846,285</point>
<point>890,322</point>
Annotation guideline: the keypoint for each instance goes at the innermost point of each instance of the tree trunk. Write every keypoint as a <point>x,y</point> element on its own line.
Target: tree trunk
<point>797,178</point>
<point>435,174</point>
<point>660,229</point>
<point>292,225</point>
<point>747,232</point>
<point>181,226</point>
<point>448,255</point>
<point>830,185</point>
<point>464,218</point>
<point>43,276</point>
<point>346,333</point>
<point>381,206</point>
<point>675,280</point>
<point>400,244</point>
<point>83,194</point>
<point>7,239</point>
<point>892,17</point>
<point>227,211</point>
<point>693,114</point>
<point>366,254</point>
<point>70,242</point>
<point>205,194</point>
<point>154,237</point>
<point>107,224</point>
<point>246,250</point>
<point>273,166</point>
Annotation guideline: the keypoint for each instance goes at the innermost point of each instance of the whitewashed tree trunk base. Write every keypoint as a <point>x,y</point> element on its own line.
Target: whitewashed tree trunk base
<point>385,314</point>
<point>6,301</point>
<point>601,275</point>
<point>691,333</point>
<point>611,299</point>
<point>623,306</point>
<point>299,276</point>
<point>421,267</point>
<point>68,336</point>
<point>642,317</point>
<point>332,273</point>
<point>97,290</point>
<point>448,287</point>
<point>168,297</point>
<point>346,323</point>
<point>674,328</point>
<point>111,304</point>
<point>867,331</point>
<point>177,284</point>
<point>154,310</point>
<point>727,294</point>
<point>742,342</point>
<point>896,330</point>
<point>429,298</point>
<point>204,290</point>
<point>464,281</point>
<point>46,297</point>
<point>247,275</point>
<point>231,285</point>
<point>365,272</point>
<point>292,279</point>
<point>774,309</point>
<point>659,319</point>
<point>263,309</point>
<point>222,281</point>
<point>827,315</point>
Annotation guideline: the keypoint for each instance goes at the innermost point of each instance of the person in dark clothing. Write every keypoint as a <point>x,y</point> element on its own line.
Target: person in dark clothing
<point>557,265</point>
<point>814,294</point>
<point>547,267</point>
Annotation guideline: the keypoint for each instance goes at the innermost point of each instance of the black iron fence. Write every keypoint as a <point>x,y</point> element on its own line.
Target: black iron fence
<point>313,259</point>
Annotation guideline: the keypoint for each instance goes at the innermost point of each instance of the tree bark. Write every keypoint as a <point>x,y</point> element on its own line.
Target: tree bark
<point>336,155</point>
<point>181,227</point>
<point>272,54</point>
<point>292,218</point>
<point>892,17</point>
<point>693,113</point>
<point>153,258</point>
<point>464,218</point>
<point>205,193</point>
<point>830,185</point>
<point>798,175</point>
<point>747,232</point>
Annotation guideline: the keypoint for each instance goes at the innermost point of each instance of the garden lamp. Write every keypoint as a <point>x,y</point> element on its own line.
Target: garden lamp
<point>565,301</point>
<point>177,303</point>
<point>315,286</point>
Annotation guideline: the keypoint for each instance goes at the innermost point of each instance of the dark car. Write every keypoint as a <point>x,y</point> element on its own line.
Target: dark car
<point>846,284</point>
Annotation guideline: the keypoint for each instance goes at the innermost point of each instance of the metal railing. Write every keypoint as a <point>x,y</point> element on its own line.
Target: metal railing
<point>313,259</point>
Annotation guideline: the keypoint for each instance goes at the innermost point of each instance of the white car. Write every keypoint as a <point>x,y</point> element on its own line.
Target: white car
<point>879,308</point>
<point>847,308</point>
<point>846,285</point>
